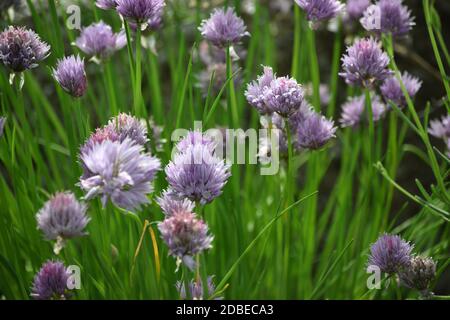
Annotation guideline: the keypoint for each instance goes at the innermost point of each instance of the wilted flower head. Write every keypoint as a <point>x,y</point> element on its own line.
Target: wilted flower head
<point>255,90</point>
<point>353,110</point>
<point>284,96</point>
<point>119,171</point>
<point>98,40</point>
<point>223,28</point>
<point>51,282</point>
<point>388,16</point>
<point>196,289</point>
<point>21,49</point>
<point>392,90</point>
<point>318,10</point>
<point>390,253</point>
<point>355,8</point>
<point>71,75</point>
<point>440,128</point>
<point>197,173</point>
<point>315,131</point>
<point>106,4</point>
<point>419,273</point>
<point>365,63</point>
<point>140,11</point>
<point>171,204</point>
<point>185,236</point>
<point>2,125</point>
<point>62,216</point>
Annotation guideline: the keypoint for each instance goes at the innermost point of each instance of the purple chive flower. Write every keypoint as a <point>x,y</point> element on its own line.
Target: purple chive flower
<point>2,125</point>
<point>284,96</point>
<point>419,274</point>
<point>255,90</point>
<point>130,127</point>
<point>355,8</point>
<point>392,90</point>
<point>390,253</point>
<point>185,236</point>
<point>440,128</point>
<point>365,63</point>
<point>193,138</point>
<point>21,49</point>
<point>119,171</point>
<point>318,10</point>
<point>196,289</point>
<point>315,131</point>
<point>51,282</point>
<point>353,110</point>
<point>106,4</point>
<point>171,204</point>
<point>388,16</point>
<point>98,40</point>
<point>140,11</point>
<point>197,174</point>
<point>223,28</point>
<point>71,75</point>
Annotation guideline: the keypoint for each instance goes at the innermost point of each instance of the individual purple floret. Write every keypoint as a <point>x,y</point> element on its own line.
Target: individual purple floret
<point>319,10</point>
<point>21,49</point>
<point>106,4</point>
<point>390,253</point>
<point>50,283</point>
<point>140,11</point>
<point>255,90</point>
<point>419,274</point>
<point>391,89</point>
<point>355,8</point>
<point>171,204</point>
<point>315,131</point>
<point>223,28</point>
<point>2,125</point>
<point>119,171</point>
<point>284,96</point>
<point>388,16</point>
<point>62,217</point>
<point>99,41</point>
<point>197,174</point>
<point>185,236</point>
<point>365,63</point>
<point>196,289</point>
<point>354,109</point>
<point>71,75</point>
<point>440,128</point>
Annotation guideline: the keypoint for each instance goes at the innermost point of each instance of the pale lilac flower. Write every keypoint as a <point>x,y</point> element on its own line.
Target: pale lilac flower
<point>365,63</point>
<point>194,138</point>
<point>392,90</point>
<point>315,131</point>
<point>440,128</point>
<point>388,16</point>
<point>100,135</point>
<point>119,171</point>
<point>51,282</point>
<point>71,75</point>
<point>318,10</point>
<point>195,288</point>
<point>419,274</point>
<point>127,126</point>
<point>284,96</point>
<point>171,204</point>
<point>390,253</point>
<point>355,8</point>
<point>2,125</point>
<point>21,49</point>
<point>223,28</point>
<point>106,4</point>
<point>185,236</point>
<point>98,40</point>
<point>141,11</point>
<point>353,110</point>
<point>197,174</point>
<point>255,90</point>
